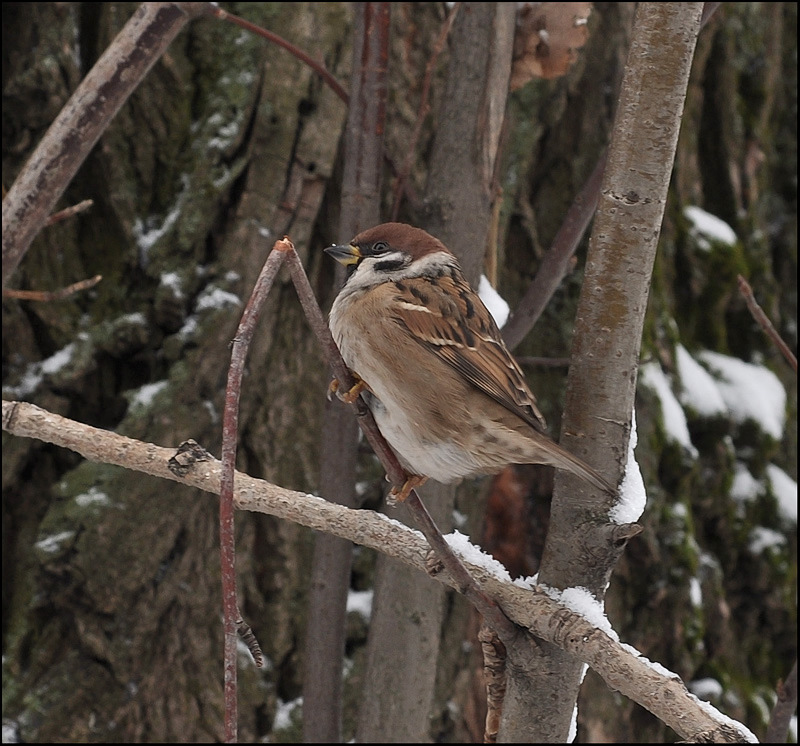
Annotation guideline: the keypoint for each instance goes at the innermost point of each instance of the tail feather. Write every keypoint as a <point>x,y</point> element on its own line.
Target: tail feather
<point>563,459</point>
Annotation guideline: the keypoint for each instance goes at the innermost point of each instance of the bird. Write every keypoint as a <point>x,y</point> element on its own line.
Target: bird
<point>431,364</point>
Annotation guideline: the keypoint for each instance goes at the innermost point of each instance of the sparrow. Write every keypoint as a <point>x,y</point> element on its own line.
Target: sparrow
<point>431,365</point>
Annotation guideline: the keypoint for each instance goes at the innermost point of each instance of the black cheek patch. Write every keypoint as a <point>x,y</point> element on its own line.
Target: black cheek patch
<point>389,265</point>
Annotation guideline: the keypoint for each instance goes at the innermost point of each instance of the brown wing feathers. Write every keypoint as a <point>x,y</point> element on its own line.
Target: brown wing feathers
<point>446,316</point>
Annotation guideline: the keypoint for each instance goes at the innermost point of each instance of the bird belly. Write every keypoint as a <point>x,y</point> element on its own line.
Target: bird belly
<point>418,452</point>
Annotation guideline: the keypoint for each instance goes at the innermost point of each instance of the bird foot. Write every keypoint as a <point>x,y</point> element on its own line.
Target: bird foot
<point>348,397</point>
<point>399,495</point>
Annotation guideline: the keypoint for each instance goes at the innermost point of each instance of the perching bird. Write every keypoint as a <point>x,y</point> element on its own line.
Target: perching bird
<point>445,391</point>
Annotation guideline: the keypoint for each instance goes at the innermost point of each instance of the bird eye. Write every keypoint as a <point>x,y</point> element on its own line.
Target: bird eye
<point>380,247</point>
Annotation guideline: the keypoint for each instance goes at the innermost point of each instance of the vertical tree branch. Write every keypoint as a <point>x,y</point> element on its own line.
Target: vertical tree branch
<point>331,564</point>
<point>582,545</point>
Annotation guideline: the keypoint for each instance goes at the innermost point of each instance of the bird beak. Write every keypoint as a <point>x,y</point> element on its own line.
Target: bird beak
<point>346,254</point>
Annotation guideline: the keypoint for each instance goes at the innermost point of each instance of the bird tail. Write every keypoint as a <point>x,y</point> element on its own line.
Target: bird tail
<point>563,459</point>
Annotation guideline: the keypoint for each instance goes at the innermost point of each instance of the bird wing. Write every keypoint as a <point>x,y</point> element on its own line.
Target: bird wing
<point>448,318</point>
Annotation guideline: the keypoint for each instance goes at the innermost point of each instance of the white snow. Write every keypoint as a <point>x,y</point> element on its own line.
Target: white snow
<point>51,544</point>
<point>651,375</point>
<point>750,392</point>
<point>713,712</point>
<point>214,297</point>
<point>573,725</point>
<point>695,592</point>
<point>173,281</point>
<point>93,497</point>
<point>360,602</point>
<point>745,486</point>
<point>148,232</point>
<point>467,551</point>
<point>144,395</point>
<point>632,492</point>
<point>707,228</point>
<point>493,301</point>
<point>11,732</point>
<point>35,372</point>
<point>785,490</point>
<point>706,689</point>
<point>762,538</point>
<point>582,601</point>
<point>698,389</point>
<point>189,328</point>
<point>283,715</point>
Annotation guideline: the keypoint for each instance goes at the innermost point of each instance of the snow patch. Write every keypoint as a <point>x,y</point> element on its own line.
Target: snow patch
<point>750,392</point>
<point>632,492</point>
<point>707,228</point>
<point>493,301</point>
<point>675,424</point>
<point>698,388</point>
<point>785,490</point>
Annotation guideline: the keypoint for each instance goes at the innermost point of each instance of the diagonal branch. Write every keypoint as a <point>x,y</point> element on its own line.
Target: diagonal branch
<point>83,119</point>
<point>316,66</point>
<point>556,261</point>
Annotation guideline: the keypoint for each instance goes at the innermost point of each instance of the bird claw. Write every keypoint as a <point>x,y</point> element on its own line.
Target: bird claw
<point>399,495</point>
<point>348,397</point>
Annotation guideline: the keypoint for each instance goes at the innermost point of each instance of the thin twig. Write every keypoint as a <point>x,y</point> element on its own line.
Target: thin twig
<point>230,606</point>
<point>556,261</point>
<point>487,606</point>
<point>494,672</point>
<point>764,322</point>
<point>424,108</point>
<point>50,295</point>
<point>318,67</point>
<point>68,212</point>
<point>784,709</point>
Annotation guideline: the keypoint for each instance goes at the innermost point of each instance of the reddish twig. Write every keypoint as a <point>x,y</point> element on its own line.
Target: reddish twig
<point>230,607</point>
<point>331,565</point>
<point>318,67</point>
<point>50,295</point>
<point>68,212</point>
<point>764,322</point>
<point>466,584</point>
<point>424,108</point>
